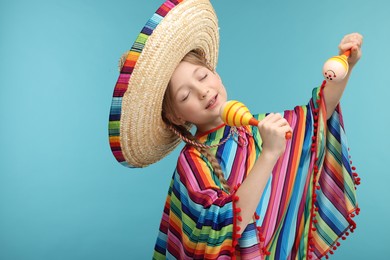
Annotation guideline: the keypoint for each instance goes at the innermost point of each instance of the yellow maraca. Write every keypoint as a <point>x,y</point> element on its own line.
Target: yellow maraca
<point>235,113</point>
<point>336,68</point>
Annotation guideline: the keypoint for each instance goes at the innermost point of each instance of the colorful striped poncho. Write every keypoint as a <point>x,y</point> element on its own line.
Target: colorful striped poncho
<point>306,208</point>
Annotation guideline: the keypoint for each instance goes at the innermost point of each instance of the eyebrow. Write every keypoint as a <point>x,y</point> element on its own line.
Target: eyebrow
<point>194,72</point>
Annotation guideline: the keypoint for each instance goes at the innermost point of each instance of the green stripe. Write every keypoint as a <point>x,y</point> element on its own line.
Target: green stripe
<point>142,38</point>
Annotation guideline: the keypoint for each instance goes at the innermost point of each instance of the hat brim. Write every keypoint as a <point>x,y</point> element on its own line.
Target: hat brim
<point>138,136</point>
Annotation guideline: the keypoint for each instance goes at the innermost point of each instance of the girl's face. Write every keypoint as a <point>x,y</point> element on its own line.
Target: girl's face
<point>197,94</point>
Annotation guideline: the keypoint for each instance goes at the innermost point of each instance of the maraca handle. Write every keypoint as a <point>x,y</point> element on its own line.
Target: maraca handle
<point>254,122</point>
<point>347,53</point>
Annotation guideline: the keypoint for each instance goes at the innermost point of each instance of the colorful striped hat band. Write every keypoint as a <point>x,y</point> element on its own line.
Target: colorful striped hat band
<point>138,136</point>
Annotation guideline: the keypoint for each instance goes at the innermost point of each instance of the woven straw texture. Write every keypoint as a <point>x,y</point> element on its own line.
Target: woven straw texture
<point>138,136</point>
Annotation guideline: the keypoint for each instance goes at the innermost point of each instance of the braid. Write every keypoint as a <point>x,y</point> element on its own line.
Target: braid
<point>187,137</point>
<point>216,166</point>
<point>196,57</point>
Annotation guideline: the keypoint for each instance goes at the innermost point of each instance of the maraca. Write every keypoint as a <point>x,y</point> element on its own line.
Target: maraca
<point>235,113</point>
<point>336,68</point>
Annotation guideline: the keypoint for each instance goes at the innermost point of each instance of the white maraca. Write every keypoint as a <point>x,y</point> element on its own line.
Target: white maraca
<point>336,68</point>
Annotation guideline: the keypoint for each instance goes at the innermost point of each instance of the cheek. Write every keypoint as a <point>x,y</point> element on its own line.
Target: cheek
<point>191,111</point>
<point>222,89</point>
<point>185,110</point>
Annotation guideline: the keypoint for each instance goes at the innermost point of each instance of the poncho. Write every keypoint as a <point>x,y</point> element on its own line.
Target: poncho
<point>306,209</point>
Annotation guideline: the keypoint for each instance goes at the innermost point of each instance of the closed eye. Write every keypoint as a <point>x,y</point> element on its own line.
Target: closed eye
<point>205,76</point>
<point>186,97</point>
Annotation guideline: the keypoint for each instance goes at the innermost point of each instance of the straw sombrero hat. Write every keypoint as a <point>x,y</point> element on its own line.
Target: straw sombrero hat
<point>138,137</point>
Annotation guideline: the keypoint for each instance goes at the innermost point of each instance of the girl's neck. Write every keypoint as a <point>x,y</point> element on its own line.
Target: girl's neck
<point>200,133</point>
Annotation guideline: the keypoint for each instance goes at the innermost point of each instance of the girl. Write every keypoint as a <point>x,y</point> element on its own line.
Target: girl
<point>195,94</point>
<point>242,192</point>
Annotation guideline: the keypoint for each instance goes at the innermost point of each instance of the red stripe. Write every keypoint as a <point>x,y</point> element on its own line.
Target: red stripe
<point>235,113</point>
<point>228,112</point>
<point>119,156</point>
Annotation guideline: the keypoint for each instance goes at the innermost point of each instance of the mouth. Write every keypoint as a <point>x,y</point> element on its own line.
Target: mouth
<point>212,102</point>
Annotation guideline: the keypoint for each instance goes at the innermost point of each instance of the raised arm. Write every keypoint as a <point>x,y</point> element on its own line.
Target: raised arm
<point>273,129</point>
<point>334,90</point>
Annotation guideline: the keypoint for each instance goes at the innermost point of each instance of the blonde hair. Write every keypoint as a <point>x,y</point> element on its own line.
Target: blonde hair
<point>195,57</point>
<point>122,60</point>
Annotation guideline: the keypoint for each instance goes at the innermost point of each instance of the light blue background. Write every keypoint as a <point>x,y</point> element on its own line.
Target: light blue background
<point>63,195</point>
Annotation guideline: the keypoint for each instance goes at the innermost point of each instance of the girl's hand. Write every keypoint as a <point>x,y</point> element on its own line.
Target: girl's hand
<point>354,42</point>
<point>273,129</point>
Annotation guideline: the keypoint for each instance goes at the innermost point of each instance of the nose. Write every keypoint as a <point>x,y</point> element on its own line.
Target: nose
<point>203,93</point>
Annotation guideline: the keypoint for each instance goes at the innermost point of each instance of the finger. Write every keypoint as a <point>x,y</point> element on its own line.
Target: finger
<point>275,118</point>
<point>348,46</point>
<point>355,51</point>
<point>352,37</point>
<point>356,38</point>
<point>265,119</point>
<point>281,122</point>
<point>268,116</point>
<point>286,129</point>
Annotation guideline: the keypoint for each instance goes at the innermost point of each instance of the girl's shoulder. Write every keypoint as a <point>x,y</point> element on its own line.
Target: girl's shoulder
<point>189,151</point>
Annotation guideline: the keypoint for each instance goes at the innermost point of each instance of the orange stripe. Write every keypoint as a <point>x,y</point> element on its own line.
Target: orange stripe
<point>202,167</point>
<point>243,117</point>
<point>115,141</point>
<point>121,86</point>
<point>298,136</point>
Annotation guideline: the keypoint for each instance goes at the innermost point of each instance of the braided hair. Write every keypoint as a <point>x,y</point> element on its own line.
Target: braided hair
<point>195,57</point>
